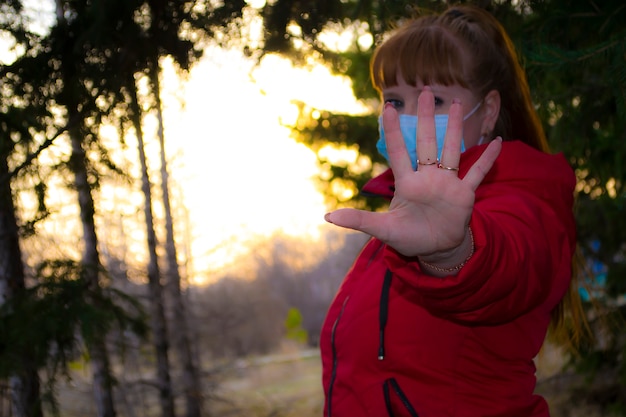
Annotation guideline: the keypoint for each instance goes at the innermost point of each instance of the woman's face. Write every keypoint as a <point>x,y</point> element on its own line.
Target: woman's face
<point>404,98</point>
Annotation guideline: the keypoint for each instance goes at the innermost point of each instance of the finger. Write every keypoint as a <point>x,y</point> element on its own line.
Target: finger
<point>426,134</point>
<point>481,167</point>
<point>451,153</point>
<point>396,149</point>
<point>364,221</point>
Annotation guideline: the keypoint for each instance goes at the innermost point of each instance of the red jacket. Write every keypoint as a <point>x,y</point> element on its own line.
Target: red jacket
<point>398,342</point>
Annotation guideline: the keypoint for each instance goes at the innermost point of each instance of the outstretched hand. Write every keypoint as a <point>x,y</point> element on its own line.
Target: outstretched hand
<point>431,208</point>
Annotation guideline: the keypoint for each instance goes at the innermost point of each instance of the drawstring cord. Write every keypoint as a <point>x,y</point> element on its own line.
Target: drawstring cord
<point>383,313</point>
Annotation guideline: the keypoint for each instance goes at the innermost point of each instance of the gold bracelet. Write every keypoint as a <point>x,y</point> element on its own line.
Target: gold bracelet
<point>459,266</point>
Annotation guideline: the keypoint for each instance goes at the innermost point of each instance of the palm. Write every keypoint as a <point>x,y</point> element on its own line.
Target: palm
<point>428,213</point>
<point>431,207</point>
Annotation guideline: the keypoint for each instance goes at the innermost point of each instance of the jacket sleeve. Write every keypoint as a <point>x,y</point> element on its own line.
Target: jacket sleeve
<point>522,261</point>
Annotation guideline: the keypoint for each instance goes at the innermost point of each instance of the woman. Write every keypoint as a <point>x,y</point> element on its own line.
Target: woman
<point>447,305</point>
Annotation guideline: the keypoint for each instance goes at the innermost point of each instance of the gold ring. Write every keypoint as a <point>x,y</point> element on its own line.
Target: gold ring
<point>448,168</point>
<point>428,163</point>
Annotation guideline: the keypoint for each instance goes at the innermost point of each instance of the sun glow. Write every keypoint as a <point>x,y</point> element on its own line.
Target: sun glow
<point>243,176</point>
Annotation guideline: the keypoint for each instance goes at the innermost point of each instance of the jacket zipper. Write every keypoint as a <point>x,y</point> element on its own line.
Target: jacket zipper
<point>333,374</point>
<point>384,302</point>
<point>403,398</point>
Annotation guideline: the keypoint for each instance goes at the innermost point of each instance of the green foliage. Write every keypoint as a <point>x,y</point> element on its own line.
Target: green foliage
<point>579,79</point>
<point>293,325</point>
<point>342,130</point>
<point>54,321</point>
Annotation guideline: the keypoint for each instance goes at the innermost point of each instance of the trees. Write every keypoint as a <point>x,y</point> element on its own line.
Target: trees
<point>166,29</point>
<point>17,122</point>
<point>23,378</point>
<point>156,299</point>
<point>24,381</point>
<point>76,77</point>
<point>52,85</point>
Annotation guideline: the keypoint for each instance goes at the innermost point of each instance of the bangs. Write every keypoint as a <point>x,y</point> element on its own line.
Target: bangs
<point>429,53</point>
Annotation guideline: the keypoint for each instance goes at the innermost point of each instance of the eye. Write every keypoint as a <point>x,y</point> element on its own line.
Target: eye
<point>438,101</point>
<point>397,104</point>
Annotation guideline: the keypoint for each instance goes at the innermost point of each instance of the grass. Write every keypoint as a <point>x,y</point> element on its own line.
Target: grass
<point>285,387</point>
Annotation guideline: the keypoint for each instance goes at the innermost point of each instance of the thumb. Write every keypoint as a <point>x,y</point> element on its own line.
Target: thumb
<point>361,220</point>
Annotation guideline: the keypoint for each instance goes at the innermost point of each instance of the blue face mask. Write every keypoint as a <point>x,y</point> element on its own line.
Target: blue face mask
<point>408,126</point>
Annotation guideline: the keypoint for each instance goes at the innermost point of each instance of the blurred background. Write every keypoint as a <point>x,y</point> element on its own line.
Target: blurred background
<point>165,166</point>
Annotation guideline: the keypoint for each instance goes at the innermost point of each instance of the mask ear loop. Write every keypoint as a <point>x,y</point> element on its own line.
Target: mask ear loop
<point>468,115</point>
<point>483,137</point>
<point>474,110</point>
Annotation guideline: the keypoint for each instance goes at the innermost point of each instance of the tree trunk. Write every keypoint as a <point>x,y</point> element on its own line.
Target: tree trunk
<point>25,385</point>
<point>159,326</point>
<point>191,381</point>
<point>99,357</point>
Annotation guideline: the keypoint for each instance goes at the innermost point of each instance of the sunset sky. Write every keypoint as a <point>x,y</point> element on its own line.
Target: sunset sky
<point>243,175</point>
